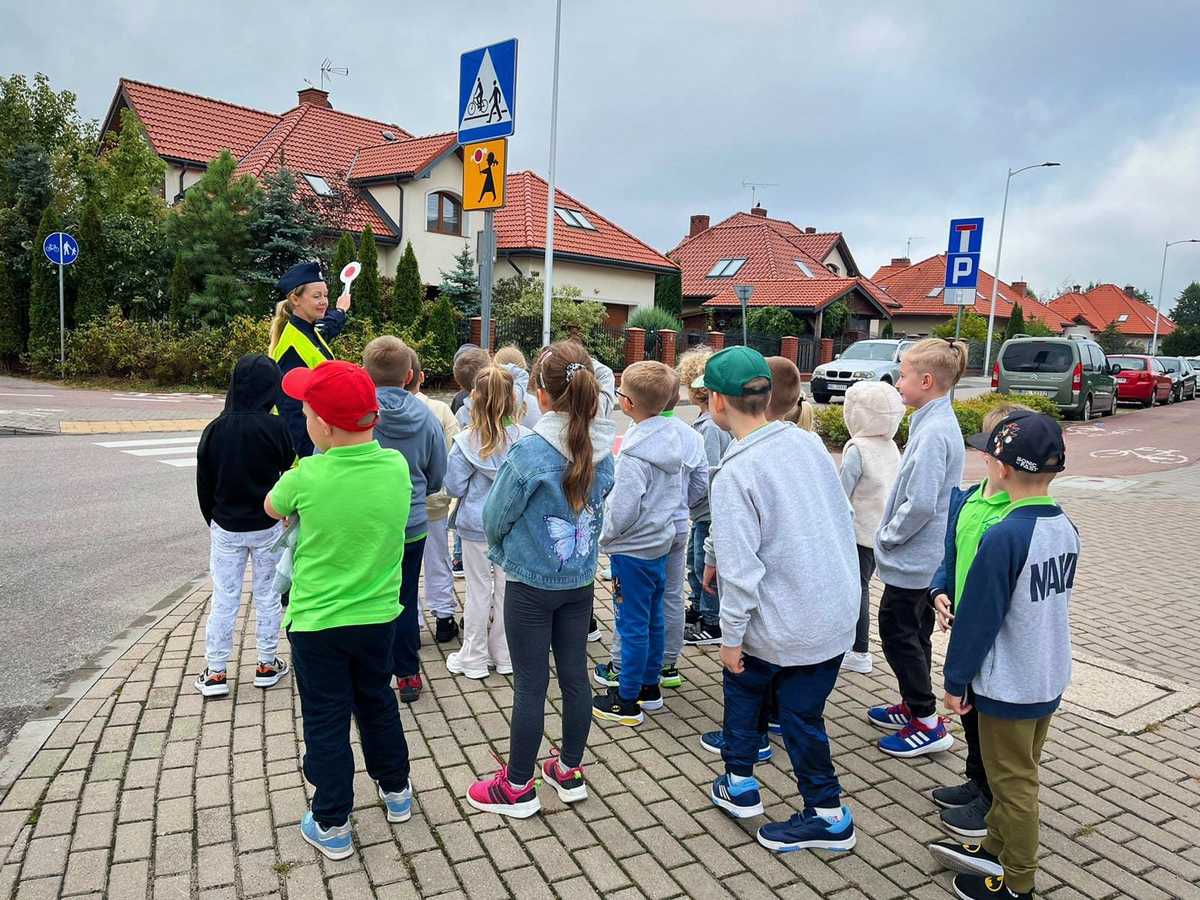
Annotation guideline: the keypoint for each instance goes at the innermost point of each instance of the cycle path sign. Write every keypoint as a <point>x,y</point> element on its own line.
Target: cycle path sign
<point>487,92</point>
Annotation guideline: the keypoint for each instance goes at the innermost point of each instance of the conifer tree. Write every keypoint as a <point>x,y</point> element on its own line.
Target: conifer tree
<point>461,285</point>
<point>10,319</point>
<point>43,296</point>
<point>343,252</point>
<point>179,291</point>
<point>366,287</point>
<point>91,297</point>
<point>410,291</point>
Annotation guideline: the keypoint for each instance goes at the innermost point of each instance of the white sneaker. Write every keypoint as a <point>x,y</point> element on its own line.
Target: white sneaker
<point>858,662</point>
<point>505,669</point>
<point>452,664</point>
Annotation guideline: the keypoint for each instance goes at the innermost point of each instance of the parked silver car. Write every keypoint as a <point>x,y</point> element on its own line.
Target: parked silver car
<point>875,360</point>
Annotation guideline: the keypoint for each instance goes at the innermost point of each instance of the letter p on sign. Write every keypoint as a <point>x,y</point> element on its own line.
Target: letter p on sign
<point>964,266</point>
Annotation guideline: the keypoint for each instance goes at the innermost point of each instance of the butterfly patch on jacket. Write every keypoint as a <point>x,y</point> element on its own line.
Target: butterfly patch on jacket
<point>571,538</point>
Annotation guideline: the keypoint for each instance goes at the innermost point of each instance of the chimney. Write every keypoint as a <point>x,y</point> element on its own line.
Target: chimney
<point>1020,288</point>
<point>1077,288</point>
<point>808,229</point>
<point>1130,291</point>
<point>900,262</point>
<point>758,211</point>
<point>311,96</point>
<point>698,224</point>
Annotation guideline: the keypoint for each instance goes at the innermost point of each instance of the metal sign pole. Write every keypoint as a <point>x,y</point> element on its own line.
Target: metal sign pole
<point>485,280</point>
<point>957,333</point>
<point>62,314</point>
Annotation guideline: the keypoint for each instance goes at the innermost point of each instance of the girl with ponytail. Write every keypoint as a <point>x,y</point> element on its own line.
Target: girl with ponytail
<point>476,455</point>
<point>542,520</point>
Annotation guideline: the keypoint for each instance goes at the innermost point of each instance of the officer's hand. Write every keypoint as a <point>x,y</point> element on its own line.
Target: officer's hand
<point>343,303</point>
<point>945,618</point>
<point>710,578</point>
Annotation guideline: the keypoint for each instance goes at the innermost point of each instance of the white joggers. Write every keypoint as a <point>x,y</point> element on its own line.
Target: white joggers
<point>439,579</point>
<point>227,564</point>
<point>483,638</point>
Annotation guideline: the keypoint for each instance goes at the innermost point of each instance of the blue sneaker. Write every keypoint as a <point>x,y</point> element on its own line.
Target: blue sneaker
<point>334,843</point>
<point>774,728</point>
<point>715,741</point>
<point>914,739</point>
<point>808,831</point>
<point>398,803</point>
<point>890,718</point>
<point>607,674</point>
<point>741,800</point>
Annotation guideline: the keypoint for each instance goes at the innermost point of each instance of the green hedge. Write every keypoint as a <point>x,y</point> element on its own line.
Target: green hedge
<point>831,426</point>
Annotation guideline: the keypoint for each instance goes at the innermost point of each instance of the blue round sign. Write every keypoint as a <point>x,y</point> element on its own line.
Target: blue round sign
<point>60,248</point>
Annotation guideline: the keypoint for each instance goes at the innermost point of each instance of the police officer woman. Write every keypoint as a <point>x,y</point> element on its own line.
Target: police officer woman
<point>303,323</point>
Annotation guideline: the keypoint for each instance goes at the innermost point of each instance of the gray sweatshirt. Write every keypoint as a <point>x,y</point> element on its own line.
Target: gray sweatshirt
<point>716,440</point>
<point>639,517</point>
<point>785,550</point>
<point>694,476</point>
<point>470,477</point>
<point>910,542</point>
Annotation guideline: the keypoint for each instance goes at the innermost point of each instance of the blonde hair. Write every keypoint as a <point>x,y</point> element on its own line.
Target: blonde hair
<point>564,371</point>
<point>492,407</point>
<point>802,414</point>
<point>785,387</point>
<point>999,413</point>
<point>283,312</point>
<point>943,358</point>
<point>388,361</point>
<point>648,384</point>
<point>510,355</point>
<point>690,367</point>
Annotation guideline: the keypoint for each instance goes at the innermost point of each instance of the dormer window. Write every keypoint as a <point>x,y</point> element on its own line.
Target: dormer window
<point>725,268</point>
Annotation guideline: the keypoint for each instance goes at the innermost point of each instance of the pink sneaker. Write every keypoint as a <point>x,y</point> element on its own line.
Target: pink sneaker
<point>568,782</point>
<point>497,795</point>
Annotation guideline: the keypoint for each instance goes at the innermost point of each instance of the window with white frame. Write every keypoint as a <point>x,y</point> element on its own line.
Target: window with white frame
<point>803,267</point>
<point>724,268</point>
<point>320,186</point>
<point>574,218</point>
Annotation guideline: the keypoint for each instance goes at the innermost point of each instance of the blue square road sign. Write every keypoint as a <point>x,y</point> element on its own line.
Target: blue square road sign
<point>487,92</point>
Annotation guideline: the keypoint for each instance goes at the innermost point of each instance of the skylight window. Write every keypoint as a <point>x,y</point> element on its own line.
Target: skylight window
<point>803,268</point>
<point>1123,317</point>
<point>726,267</point>
<point>319,185</point>
<point>936,292</point>
<point>574,218</point>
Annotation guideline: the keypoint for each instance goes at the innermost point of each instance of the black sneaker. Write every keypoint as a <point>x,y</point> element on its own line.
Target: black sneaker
<point>285,598</point>
<point>456,567</point>
<point>692,616</point>
<point>958,795</point>
<point>212,684</point>
<point>970,820</point>
<point>702,634</point>
<point>593,631</point>
<point>609,707</point>
<point>447,629</point>
<point>970,859</point>
<point>650,698</point>
<point>992,887</point>
<point>268,673</point>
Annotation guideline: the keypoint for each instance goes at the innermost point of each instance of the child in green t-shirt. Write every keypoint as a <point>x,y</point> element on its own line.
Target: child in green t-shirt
<point>972,513</point>
<point>353,499</point>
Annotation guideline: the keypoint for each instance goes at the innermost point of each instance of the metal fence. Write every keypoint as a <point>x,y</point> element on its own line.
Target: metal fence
<point>806,354</point>
<point>766,344</point>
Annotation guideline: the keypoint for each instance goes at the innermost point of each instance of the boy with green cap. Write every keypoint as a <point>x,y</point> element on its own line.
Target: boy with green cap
<point>787,617</point>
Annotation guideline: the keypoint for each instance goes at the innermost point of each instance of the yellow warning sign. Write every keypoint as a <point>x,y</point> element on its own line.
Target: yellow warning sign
<point>483,174</point>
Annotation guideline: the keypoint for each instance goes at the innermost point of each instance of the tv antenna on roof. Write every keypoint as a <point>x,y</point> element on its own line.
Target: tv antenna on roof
<point>908,244</point>
<point>328,70</point>
<point>754,186</point>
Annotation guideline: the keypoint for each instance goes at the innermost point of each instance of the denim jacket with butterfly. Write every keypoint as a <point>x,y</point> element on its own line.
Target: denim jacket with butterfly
<point>532,532</point>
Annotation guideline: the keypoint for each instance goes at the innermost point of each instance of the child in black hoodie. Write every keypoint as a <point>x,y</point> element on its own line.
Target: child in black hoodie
<point>241,455</point>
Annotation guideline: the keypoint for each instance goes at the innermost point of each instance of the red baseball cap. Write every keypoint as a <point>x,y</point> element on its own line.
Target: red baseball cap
<point>341,393</point>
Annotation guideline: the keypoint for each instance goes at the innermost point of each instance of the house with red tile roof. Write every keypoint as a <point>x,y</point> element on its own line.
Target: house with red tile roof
<point>916,288</point>
<point>1092,311</point>
<point>363,171</point>
<point>801,270</point>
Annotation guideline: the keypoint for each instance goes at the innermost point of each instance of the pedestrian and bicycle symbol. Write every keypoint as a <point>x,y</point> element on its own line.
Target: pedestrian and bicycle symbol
<point>60,248</point>
<point>484,170</point>
<point>487,92</point>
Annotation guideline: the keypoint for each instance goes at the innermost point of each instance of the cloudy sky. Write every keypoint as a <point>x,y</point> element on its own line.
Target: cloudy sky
<point>876,121</point>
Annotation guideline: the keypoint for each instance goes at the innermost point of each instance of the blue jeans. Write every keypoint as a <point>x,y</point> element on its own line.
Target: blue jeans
<point>340,671</point>
<point>801,692</point>
<point>708,601</point>
<point>640,620</point>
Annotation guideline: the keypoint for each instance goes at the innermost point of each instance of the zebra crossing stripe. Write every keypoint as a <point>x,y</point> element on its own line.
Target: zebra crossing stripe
<point>154,442</point>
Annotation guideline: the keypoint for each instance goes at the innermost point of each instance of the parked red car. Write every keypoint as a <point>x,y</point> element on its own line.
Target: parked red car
<point>1142,379</point>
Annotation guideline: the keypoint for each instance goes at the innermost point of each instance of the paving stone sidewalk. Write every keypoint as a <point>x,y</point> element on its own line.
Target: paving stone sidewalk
<point>144,790</point>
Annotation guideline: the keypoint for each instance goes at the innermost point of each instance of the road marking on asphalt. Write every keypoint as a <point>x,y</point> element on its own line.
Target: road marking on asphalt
<point>181,450</point>
<point>23,394</point>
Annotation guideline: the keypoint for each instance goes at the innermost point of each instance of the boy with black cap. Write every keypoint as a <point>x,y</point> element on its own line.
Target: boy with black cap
<point>787,615</point>
<point>353,501</point>
<point>1011,644</point>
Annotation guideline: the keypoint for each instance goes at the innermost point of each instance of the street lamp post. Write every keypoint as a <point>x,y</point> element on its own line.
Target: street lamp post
<point>548,287</point>
<point>987,350</point>
<point>1162,277</point>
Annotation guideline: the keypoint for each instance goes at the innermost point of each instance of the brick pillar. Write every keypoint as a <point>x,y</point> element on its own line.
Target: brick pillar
<point>477,330</point>
<point>716,340</point>
<point>635,345</point>
<point>825,351</point>
<point>669,337</point>
<point>789,348</point>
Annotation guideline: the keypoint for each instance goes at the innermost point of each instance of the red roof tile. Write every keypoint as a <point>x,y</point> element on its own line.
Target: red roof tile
<point>768,254</point>
<point>817,244</point>
<point>1106,303</point>
<point>404,158</point>
<point>521,225</point>
<point>810,293</point>
<point>911,286</point>
<point>194,128</point>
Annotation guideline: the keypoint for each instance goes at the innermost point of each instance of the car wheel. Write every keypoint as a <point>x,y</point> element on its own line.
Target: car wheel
<point>1150,403</point>
<point>1170,396</point>
<point>820,398</point>
<point>1112,406</point>
<point>1085,412</point>
<point>886,379</point>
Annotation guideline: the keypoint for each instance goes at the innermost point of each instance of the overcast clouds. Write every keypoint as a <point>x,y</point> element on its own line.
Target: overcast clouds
<point>878,122</point>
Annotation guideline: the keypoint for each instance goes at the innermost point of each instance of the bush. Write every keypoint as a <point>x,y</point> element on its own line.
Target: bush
<point>831,426</point>
<point>773,321</point>
<point>652,318</point>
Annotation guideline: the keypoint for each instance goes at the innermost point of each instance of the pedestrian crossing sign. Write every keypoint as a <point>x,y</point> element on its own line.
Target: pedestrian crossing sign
<point>487,92</point>
<point>484,168</point>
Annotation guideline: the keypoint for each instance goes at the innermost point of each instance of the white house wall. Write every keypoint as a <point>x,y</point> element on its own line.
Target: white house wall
<point>835,257</point>
<point>606,284</point>
<point>435,252</point>
<point>171,181</point>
